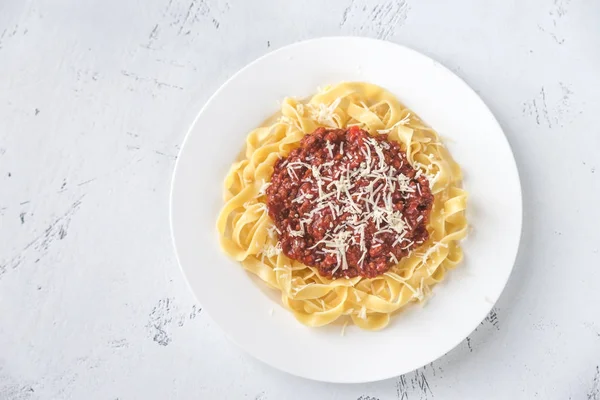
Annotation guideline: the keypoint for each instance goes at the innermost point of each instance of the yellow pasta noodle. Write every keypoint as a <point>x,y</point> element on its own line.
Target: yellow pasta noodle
<point>248,235</point>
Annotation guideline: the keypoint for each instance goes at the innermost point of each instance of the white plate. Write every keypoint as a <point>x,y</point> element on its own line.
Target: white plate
<point>241,305</point>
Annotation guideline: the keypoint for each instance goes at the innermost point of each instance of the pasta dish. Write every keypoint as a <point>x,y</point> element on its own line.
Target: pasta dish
<point>348,204</point>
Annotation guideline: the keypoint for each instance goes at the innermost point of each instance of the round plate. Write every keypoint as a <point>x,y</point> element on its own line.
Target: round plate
<point>250,313</point>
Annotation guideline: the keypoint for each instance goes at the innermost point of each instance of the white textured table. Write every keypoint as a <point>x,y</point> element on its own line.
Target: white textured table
<point>95,99</point>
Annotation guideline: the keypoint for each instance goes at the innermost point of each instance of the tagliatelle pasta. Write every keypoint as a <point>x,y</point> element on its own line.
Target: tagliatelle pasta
<point>249,235</point>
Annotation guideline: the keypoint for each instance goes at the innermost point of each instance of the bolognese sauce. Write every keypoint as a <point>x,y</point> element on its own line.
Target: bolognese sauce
<point>348,203</point>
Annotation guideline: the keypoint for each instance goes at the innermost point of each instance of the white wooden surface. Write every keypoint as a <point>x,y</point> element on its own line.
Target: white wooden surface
<point>95,98</point>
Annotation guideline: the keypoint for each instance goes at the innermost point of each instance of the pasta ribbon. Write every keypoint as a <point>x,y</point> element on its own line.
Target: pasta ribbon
<point>248,235</point>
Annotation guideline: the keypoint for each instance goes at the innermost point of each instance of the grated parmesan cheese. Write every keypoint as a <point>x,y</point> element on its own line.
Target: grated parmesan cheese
<point>323,114</point>
<point>343,332</point>
<point>403,121</point>
<point>362,314</point>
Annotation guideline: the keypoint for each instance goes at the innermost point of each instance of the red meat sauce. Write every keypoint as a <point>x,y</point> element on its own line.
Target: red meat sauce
<point>335,210</point>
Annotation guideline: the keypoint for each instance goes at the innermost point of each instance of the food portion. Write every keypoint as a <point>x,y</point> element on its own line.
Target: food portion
<point>348,204</point>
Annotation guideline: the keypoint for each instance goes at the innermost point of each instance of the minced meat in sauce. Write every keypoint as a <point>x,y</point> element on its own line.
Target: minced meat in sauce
<point>348,203</point>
